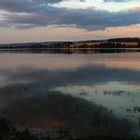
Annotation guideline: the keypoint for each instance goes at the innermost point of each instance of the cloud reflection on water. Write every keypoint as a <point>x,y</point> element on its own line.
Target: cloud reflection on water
<point>32,103</point>
<point>83,75</point>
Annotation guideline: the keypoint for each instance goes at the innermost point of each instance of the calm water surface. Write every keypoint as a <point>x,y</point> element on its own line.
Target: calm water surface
<point>82,94</point>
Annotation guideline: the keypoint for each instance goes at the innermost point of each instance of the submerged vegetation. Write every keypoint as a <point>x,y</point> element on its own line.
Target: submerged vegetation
<point>9,132</point>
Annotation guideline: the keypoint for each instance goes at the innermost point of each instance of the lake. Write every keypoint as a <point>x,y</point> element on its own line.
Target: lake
<point>81,94</point>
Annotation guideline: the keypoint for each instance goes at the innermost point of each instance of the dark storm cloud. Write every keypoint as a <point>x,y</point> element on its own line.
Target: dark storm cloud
<point>26,14</point>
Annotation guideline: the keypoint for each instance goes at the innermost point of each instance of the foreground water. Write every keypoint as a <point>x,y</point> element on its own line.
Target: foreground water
<point>82,94</point>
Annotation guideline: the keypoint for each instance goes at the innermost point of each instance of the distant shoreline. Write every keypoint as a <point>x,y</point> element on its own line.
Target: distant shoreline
<point>120,45</point>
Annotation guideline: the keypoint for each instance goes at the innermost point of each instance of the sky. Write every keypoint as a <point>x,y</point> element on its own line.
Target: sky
<point>68,20</point>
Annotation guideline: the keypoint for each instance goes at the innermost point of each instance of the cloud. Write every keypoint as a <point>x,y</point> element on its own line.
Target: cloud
<point>27,14</point>
<point>117,0</point>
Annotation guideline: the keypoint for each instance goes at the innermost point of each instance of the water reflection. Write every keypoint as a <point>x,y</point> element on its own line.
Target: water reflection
<point>82,95</point>
<point>119,100</point>
<point>54,110</point>
<point>57,61</point>
<point>82,75</point>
